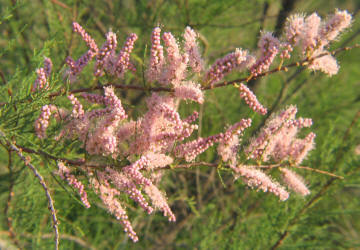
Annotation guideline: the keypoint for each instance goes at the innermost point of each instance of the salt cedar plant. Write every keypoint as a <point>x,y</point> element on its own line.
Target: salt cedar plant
<point>127,155</point>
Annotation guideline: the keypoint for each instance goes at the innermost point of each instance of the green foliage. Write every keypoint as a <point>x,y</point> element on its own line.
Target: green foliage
<point>212,212</point>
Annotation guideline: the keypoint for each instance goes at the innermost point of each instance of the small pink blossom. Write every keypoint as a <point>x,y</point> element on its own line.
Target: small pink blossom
<point>47,66</point>
<point>334,26</point>
<point>174,72</point>
<point>123,60</point>
<point>255,178</point>
<point>65,174</point>
<point>310,37</point>
<point>251,100</point>
<point>108,197</point>
<point>189,91</point>
<point>223,66</point>
<point>86,37</point>
<point>42,122</point>
<point>326,63</point>
<point>269,47</point>
<point>294,28</point>
<point>192,49</point>
<point>78,111</point>
<point>158,160</point>
<point>105,52</point>
<point>156,56</point>
<point>159,201</point>
<point>294,182</point>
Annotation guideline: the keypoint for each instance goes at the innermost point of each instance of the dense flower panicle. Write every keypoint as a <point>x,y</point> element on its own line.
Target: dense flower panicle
<point>125,184</point>
<point>86,37</point>
<point>294,28</point>
<point>160,127</point>
<point>276,139</point>
<point>251,100</point>
<point>123,60</point>
<point>238,127</point>
<point>294,182</point>
<point>189,91</point>
<point>103,140</point>
<point>64,173</point>
<point>171,115</point>
<point>286,50</point>
<point>75,67</point>
<point>156,56</point>
<point>228,149</point>
<point>223,66</point>
<point>41,81</point>
<point>105,52</point>
<point>174,72</point>
<point>228,145</point>
<point>133,171</point>
<point>47,66</point>
<point>301,147</point>
<point>114,103</point>
<point>108,197</point>
<point>339,21</point>
<point>42,122</point>
<point>159,201</point>
<point>257,179</point>
<point>192,49</point>
<point>326,63</point>
<point>158,160</point>
<point>125,131</point>
<point>299,123</point>
<point>93,98</point>
<point>191,118</point>
<point>269,47</point>
<point>78,111</point>
<point>190,150</point>
<point>311,33</point>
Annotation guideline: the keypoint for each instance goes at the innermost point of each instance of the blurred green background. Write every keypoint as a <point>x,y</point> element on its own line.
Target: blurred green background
<point>213,211</point>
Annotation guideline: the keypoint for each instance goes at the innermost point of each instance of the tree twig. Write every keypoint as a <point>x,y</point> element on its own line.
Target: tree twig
<point>12,233</point>
<point>43,184</point>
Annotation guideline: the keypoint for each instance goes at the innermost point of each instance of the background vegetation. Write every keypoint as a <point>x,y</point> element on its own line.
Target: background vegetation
<point>213,211</point>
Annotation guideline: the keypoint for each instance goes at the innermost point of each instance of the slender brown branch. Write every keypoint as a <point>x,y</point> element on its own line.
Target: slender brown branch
<point>43,184</point>
<point>319,171</point>
<point>75,162</point>
<point>82,163</point>
<point>12,233</point>
<point>117,86</point>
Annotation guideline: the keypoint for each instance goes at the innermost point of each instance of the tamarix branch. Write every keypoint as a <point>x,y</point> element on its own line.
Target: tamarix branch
<point>127,155</point>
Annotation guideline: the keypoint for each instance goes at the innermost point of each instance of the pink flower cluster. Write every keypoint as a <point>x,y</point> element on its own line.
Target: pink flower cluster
<point>106,58</point>
<point>269,47</point>
<point>64,173</point>
<point>277,139</point>
<point>134,150</point>
<point>255,178</point>
<point>43,74</point>
<point>42,123</point>
<point>251,100</point>
<point>240,60</point>
<point>312,35</point>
